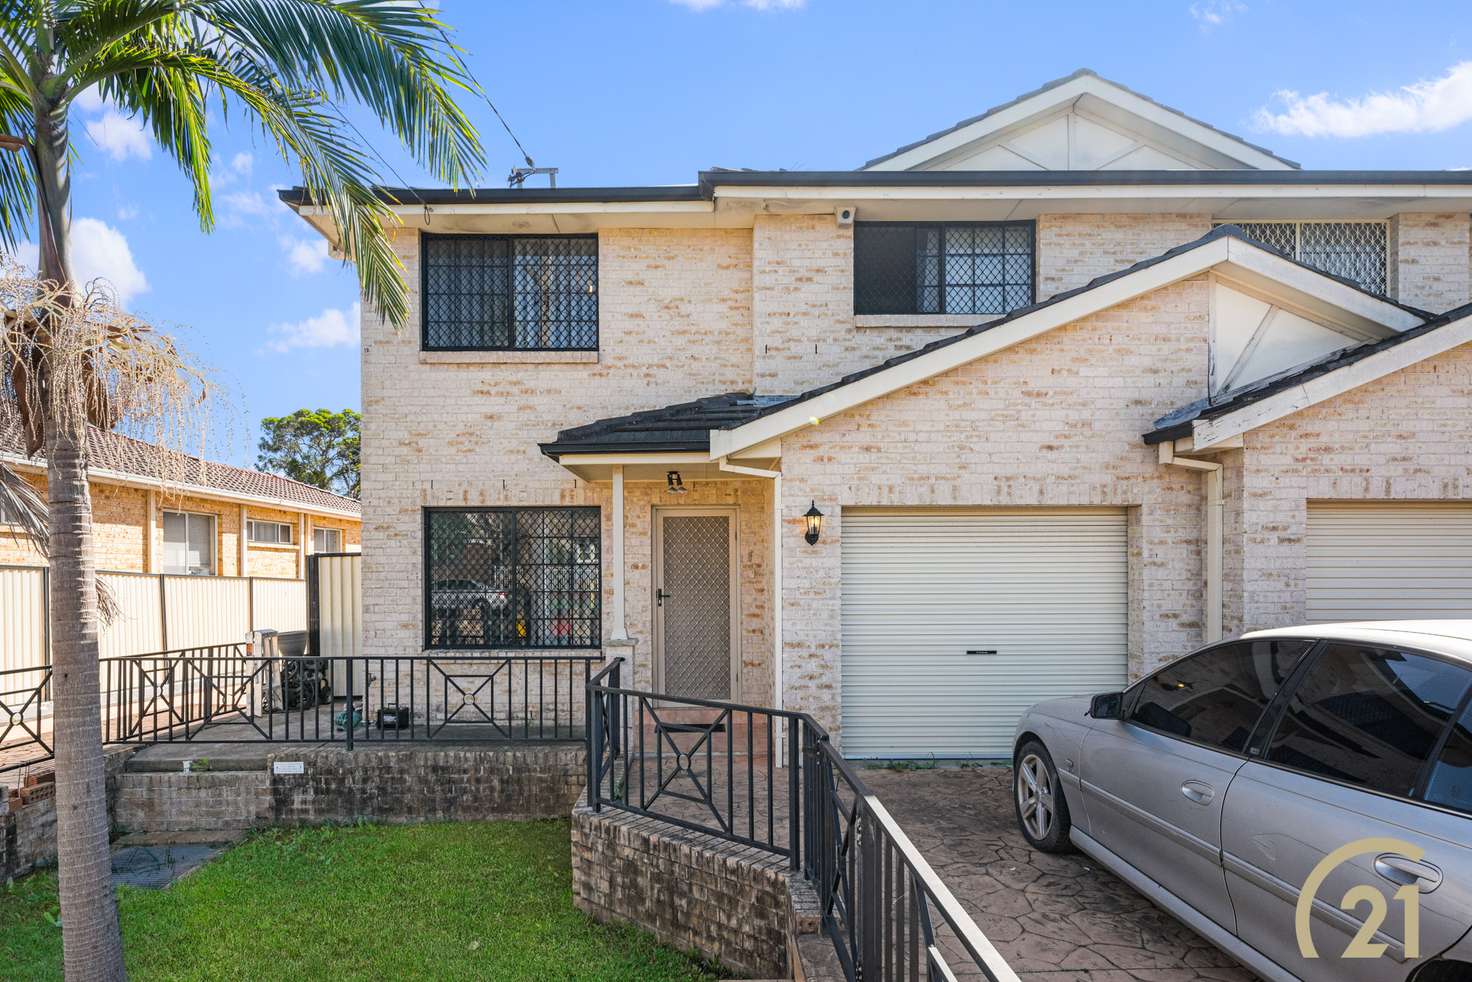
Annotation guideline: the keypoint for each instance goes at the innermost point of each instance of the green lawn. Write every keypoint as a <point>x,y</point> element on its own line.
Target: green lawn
<point>486,900</point>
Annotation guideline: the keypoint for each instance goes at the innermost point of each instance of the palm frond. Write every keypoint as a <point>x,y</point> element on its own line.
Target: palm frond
<point>23,507</point>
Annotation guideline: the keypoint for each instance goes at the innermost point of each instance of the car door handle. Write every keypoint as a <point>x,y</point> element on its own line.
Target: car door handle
<point>1198,791</point>
<point>1403,872</point>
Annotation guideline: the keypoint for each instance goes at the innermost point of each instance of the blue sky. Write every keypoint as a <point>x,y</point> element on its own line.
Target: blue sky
<point>651,91</point>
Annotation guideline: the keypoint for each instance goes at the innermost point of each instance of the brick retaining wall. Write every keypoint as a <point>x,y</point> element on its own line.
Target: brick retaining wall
<point>28,817</point>
<point>728,903</point>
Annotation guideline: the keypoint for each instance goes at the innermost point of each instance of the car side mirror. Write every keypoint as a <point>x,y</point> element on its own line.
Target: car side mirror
<point>1110,705</point>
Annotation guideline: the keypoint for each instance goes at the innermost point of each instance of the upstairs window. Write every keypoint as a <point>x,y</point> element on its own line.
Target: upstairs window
<point>942,267</point>
<point>510,292</point>
<point>1355,251</point>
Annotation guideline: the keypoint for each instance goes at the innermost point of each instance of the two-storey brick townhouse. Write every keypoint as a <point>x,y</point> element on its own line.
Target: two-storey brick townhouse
<point>1077,385</point>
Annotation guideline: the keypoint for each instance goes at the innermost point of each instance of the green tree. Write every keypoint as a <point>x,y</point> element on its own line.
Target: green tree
<point>290,69</point>
<point>315,446</point>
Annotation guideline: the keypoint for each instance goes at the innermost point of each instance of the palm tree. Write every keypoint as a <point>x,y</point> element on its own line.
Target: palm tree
<point>286,67</point>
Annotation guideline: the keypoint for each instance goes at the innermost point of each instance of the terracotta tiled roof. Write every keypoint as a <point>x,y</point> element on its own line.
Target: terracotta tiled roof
<point>126,455</point>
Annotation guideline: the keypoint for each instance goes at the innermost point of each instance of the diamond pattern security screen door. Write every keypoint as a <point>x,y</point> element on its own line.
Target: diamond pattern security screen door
<point>694,603</point>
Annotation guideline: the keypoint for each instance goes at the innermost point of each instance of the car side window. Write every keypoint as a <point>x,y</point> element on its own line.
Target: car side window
<point>1368,716</point>
<point>1216,697</point>
<point>1450,781</point>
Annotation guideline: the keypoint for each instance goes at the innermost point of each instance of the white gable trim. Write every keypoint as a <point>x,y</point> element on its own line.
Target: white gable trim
<point>1212,433</point>
<point>1064,93</point>
<point>1244,259</point>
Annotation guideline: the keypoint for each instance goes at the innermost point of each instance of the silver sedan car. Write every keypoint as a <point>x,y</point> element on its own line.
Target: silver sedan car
<point>1301,797</point>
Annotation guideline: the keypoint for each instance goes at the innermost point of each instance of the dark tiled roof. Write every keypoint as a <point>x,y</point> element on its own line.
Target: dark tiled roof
<point>1177,424</point>
<point>1220,232</point>
<point>682,427</point>
<point>125,455</point>
<point>1046,86</point>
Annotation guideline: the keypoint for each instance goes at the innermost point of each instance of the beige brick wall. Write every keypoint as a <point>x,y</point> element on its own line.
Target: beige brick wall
<point>121,539</point>
<point>1056,421</point>
<point>1074,249</point>
<point>675,324</point>
<point>803,307</point>
<point>1406,437</point>
<point>1431,260</point>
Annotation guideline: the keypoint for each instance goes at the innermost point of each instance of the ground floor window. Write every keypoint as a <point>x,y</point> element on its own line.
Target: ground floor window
<point>326,540</point>
<point>268,533</point>
<point>189,543</point>
<point>512,578</point>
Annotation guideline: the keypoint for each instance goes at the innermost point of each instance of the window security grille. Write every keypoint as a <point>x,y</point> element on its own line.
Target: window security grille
<point>942,268</point>
<point>513,578</point>
<point>510,293</point>
<point>1355,251</point>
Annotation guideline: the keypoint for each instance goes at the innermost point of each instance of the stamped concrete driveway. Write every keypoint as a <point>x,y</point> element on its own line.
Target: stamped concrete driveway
<point>1054,918</point>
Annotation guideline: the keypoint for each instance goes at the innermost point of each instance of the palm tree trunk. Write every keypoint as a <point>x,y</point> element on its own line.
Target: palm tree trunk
<point>92,946</point>
<point>91,941</point>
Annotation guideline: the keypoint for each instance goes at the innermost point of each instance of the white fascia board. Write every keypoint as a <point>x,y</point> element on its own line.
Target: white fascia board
<point>103,475</point>
<point>542,208</point>
<point>664,457</point>
<point>1126,192</point>
<point>1066,93</point>
<point>1323,288</point>
<point>730,443</point>
<point>1211,433</point>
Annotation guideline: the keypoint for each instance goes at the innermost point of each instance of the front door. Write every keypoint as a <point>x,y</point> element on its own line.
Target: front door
<point>695,609</point>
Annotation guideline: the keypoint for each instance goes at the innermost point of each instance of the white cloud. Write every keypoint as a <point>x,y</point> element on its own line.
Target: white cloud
<point>89,100</point>
<point>240,167</point>
<point>1422,107</point>
<point>126,213</point>
<point>1211,14</point>
<point>242,164</point>
<point>121,136</point>
<point>333,328</point>
<point>99,252</point>
<point>240,206</point>
<point>304,256</point>
<point>700,6</point>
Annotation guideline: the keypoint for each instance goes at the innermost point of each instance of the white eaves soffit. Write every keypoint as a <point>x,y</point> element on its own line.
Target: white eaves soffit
<point>1083,122</point>
<point>1209,433</point>
<point>1290,285</point>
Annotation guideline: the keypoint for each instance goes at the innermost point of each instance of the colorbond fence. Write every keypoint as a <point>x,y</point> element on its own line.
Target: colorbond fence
<point>158,612</point>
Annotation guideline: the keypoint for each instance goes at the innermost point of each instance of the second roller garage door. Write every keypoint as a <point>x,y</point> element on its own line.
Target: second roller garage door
<point>1389,561</point>
<point>956,621</point>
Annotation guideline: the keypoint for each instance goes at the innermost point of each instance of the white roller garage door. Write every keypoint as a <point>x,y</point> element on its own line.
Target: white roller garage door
<point>955,622</point>
<point>1387,561</point>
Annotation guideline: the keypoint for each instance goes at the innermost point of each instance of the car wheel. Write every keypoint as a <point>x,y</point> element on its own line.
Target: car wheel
<point>1042,811</point>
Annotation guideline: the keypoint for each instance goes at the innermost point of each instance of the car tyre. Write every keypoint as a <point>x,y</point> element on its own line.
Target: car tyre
<point>1042,810</point>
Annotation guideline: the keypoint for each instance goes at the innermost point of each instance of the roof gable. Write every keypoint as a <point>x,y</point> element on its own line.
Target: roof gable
<point>1081,123</point>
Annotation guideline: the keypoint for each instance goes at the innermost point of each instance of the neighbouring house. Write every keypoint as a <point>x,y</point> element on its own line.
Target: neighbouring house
<point>187,517</point>
<point>1077,385</point>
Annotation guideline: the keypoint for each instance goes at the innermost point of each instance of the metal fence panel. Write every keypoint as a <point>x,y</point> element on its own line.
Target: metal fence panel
<point>22,624</point>
<point>138,627</point>
<point>339,615</point>
<point>280,605</point>
<point>205,610</point>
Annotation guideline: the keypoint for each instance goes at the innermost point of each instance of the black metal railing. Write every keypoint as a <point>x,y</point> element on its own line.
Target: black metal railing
<point>229,694</point>
<point>712,767</point>
<point>25,722</point>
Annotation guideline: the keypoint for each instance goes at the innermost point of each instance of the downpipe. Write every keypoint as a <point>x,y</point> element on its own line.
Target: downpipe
<point>1214,531</point>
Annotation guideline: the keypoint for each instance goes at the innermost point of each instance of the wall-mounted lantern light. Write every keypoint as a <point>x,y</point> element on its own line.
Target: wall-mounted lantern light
<point>814,518</point>
<point>673,483</point>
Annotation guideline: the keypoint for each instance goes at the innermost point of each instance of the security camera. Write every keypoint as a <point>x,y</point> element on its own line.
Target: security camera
<point>845,215</point>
